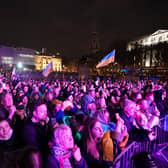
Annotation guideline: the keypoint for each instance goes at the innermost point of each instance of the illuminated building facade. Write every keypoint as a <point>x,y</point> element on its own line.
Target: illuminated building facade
<point>41,61</point>
<point>150,51</point>
<point>10,56</point>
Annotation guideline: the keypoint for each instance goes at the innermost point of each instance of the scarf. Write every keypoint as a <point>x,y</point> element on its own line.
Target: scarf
<point>61,155</point>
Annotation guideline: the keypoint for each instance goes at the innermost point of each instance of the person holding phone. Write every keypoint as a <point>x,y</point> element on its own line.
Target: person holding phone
<point>63,152</point>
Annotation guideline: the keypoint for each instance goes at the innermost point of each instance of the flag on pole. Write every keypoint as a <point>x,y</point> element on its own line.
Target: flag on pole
<point>14,71</point>
<point>109,58</point>
<point>48,69</point>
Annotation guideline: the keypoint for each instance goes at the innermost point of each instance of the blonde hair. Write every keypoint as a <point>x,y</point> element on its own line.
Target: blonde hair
<point>58,133</point>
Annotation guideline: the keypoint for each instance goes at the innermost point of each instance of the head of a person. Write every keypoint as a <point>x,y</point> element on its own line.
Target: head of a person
<point>135,96</point>
<point>88,103</point>
<point>56,91</point>
<point>49,95</point>
<point>36,89</point>
<point>149,96</point>
<point>40,112</point>
<point>5,128</point>
<point>57,104</point>
<point>20,110</point>
<point>62,136</point>
<point>92,135</point>
<point>36,96</point>
<point>25,89</point>
<point>143,105</point>
<point>101,103</point>
<point>91,92</point>
<point>23,158</point>
<point>14,91</point>
<point>142,120</point>
<point>103,115</point>
<point>69,96</point>
<point>24,99</point>
<point>160,95</point>
<point>94,130</point>
<point>129,107</point>
<point>7,100</point>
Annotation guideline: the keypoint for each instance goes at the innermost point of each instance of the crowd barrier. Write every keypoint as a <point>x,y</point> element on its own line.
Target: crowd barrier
<point>125,158</point>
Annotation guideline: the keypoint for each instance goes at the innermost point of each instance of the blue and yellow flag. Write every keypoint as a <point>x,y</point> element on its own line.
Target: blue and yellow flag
<point>109,58</point>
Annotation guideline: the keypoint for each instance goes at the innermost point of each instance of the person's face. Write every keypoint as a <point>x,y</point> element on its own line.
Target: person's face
<point>41,112</point>
<point>25,100</point>
<point>68,139</point>
<point>103,103</point>
<point>107,116</point>
<point>49,96</point>
<point>36,89</point>
<point>8,101</point>
<point>92,93</point>
<point>97,131</point>
<point>58,107</point>
<point>4,129</point>
<point>36,96</point>
<point>57,91</point>
<point>26,89</point>
<point>92,106</point>
<point>14,92</point>
<point>130,109</point>
<point>142,120</point>
<point>139,96</point>
<point>144,105</point>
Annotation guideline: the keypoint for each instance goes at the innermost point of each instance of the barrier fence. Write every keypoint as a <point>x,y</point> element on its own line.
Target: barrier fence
<point>125,158</point>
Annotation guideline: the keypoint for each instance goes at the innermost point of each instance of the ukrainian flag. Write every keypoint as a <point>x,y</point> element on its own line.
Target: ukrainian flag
<point>109,58</point>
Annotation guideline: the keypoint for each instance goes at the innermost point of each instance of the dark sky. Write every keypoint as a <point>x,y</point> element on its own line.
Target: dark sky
<point>66,25</point>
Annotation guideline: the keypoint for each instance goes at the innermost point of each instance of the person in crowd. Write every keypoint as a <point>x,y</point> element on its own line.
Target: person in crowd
<point>135,96</point>
<point>7,136</point>
<point>120,134</point>
<point>22,158</point>
<point>128,114</point>
<point>7,104</point>
<point>103,116</point>
<point>149,97</point>
<point>160,100</point>
<point>97,147</point>
<point>88,105</point>
<point>69,99</point>
<point>153,120</point>
<point>48,97</point>
<point>63,152</point>
<point>35,131</point>
<point>34,100</point>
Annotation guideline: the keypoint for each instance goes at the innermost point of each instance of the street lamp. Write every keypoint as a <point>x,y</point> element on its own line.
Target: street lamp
<point>20,65</point>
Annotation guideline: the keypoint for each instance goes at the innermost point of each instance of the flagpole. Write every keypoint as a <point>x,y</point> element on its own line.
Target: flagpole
<point>112,69</point>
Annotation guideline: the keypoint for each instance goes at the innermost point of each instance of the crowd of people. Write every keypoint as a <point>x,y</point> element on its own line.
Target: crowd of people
<point>72,123</point>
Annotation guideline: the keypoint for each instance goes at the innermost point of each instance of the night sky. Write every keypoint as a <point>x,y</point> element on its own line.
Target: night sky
<point>65,26</point>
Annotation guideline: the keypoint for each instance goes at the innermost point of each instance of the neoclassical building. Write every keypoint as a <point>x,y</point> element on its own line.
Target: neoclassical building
<point>150,51</point>
<point>41,61</point>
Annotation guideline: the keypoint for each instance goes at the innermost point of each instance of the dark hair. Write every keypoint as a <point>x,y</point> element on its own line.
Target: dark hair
<point>3,114</point>
<point>22,158</point>
<point>91,146</point>
<point>149,94</point>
